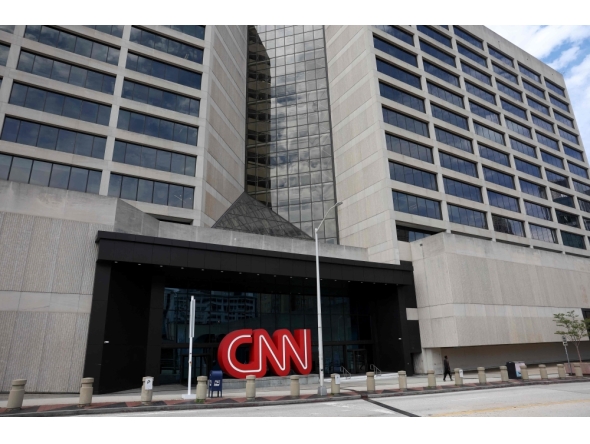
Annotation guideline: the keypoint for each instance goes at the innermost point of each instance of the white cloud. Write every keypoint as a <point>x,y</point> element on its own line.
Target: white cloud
<point>565,58</point>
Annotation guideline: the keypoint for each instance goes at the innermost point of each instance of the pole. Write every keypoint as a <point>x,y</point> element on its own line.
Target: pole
<point>191,329</point>
<point>566,354</point>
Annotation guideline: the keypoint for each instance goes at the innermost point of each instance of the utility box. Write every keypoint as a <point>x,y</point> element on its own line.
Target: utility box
<point>513,371</point>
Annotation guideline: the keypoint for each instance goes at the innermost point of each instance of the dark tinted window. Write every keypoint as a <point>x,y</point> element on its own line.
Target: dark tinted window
<point>533,89</point>
<point>556,89</point>
<point>166,44</point>
<point>405,234</point>
<point>518,128</point>
<point>160,98</point>
<point>582,187</point>
<point>536,210</point>
<point>399,96</point>
<point>538,106</point>
<point>573,240</point>
<point>511,108</point>
<point>197,31</point>
<point>394,51</point>
<point>522,147</point>
<point>572,152</point>
<point>147,157</point>
<point>151,191</point>
<point>464,216</point>
<point>508,226</point>
<point>398,73</point>
<point>494,155</point>
<point>542,123</point>
<point>530,74</point>
<point>461,189</point>
<point>509,91</point>
<point>163,70</point>
<point>552,160</point>
<point>445,94</point>
<point>503,201</point>
<point>568,136</point>
<point>413,176</point>
<point>481,93</point>
<point>532,188</point>
<point>569,219</point>
<point>441,73</point>
<point>451,139</point>
<point>504,73</point>
<point>489,133</point>
<point>476,73</point>
<point>115,30</point>
<point>408,148</point>
<point>558,103</point>
<point>156,127</point>
<point>484,112</point>
<point>578,170</point>
<point>472,55</point>
<point>498,178</point>
<point>419,206</point>
<point>449,116</point>
<point>405,122</point>
<point>457,164</point>
<point>584,205</point>
<point>556,178</point>
<point>547,141</point>
<point>467,37</point>
<point>562,198</point>
<point>437,53</point>
<point>435,35</point>
<point>4,50</point>
<point>543,233</point>
<point>498,55</point>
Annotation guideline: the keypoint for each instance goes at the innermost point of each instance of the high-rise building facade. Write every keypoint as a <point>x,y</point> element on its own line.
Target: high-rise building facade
<point>143,165</point>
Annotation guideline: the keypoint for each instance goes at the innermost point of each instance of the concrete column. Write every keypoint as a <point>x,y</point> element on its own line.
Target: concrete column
<point>458,378</point>
<point>146,395</point>
<point>370,382</point>
<point>16,395</point>
<point>250,388</point>
<point>431,380</point>
<point>504,373</point>
<point>86,392</point>
<point>578,369</point>
<point>402,380</point>
<point>481,374</point>
<point>201,389</point>
<point>543,371</point>
<point>335,388</point>
<point>295,388</point>
<point>561,371</point>
<point>524,372</point>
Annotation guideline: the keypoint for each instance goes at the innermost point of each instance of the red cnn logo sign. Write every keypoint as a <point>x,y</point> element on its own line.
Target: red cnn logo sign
<point>280,352</point>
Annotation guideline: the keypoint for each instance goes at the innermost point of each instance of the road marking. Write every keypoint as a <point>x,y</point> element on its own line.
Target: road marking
<point>388,407</point>
<point>513,407</point>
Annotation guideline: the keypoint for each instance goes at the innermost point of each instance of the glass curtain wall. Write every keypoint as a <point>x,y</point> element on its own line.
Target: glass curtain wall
<point>289,143</point>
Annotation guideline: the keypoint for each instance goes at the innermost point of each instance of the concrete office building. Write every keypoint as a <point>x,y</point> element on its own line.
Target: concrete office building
<point>143,165</point>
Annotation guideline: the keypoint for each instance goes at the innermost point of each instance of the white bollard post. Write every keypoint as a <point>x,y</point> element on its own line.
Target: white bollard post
<point>201,389</point>
<point>458,377</point>
<point>295,388</point>
<point>431,380</point>
<point>543,371</point>
<point>524,372</point>
<point>250,388</point>
<point>335,386</point>
<point>561,371</point>
<point>86,392</point>
<point>16,395</point>
<point>402,380</point>
<point>578,369</point>
<point>481,374</point>
<point>504,373</point>
<point>370,382</point>
<point>147,390</point>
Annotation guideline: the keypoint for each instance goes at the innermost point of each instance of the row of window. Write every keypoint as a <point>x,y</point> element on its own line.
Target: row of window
<point>166,44</point>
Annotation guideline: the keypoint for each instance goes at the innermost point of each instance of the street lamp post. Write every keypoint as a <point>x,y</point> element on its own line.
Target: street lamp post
<point>321,389</point>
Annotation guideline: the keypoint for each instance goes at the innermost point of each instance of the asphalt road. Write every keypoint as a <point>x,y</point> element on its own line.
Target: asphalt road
<point>558,400</point>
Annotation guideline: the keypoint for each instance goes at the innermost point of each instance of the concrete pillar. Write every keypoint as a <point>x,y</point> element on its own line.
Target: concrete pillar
<point>335,388</point>
<point>295,389</point>
<point>146,395</point>
<point>524,372</point>
<point>504,373</point>
<point>458,378</point>
<point>481,374</point>
<point>431,380</point>
<point>560,371</point>
<point>578,369</point>
<point>402,380</point>
<point>370,382</point>
<point>250,388</point>
<point>543,371</point>
<point>201,388</point>
<point>86,392</point>
<point>16,395</point>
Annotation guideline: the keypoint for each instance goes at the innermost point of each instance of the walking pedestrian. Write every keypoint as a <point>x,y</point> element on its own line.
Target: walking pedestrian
<point>447,369</point>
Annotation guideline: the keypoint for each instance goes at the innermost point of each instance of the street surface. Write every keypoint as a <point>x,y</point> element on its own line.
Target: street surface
<point>559,400</point>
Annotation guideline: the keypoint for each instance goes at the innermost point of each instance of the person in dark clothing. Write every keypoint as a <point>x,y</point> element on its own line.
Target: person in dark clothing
<point>447,369</point>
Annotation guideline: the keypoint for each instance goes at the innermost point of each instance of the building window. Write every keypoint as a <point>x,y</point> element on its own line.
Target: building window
<point>73,43</point>
<point>498,178</point>
<point>398,73</point>
<point>451,139</point>
<point>60,104</point>
<point>505,73</point>
<point>160,98</point>
<point>558,103</point>
<point>539,211</point>
<point>543,233</point>
<point>418,206</point>
<point>552,160</point>
<point>557,179</point>
<point>7,28</point>
<point>394,51</point>
<point>412,176</point>
<point>461,189</point>
<point>538,106</point>
<point>405,234</point>
<point>568,136</point>
<point>488,133</point>
<point>165,71</point>
<point>467,37</point>
<point>53,138</point>
<point>530,74</point>
<point>586,223</point>
<point>527,167</point>
<point>511,92</point>
<point>573,152</point>
<point>484,112</point>
<point>556,89</point>
<point>65,72</point>
<point>501,57</point>
<point>441,73</point>
<point>569,219</point>
<point>508,226</point>
<point>4,50</point>
<point>427,30</point>
<point>48,174</point>
<point>464,216</point>
<point>472,55</point>
<point>542,123</point>
<point>533,189</point>
<point>480,92</point>
<point>156,159</point>
<point>562,199</point>
<point>584,205</point>
<point>449,116</point>
<point>166,44</point>
<point>445,94</point>
<point>511,108</point>
<point>547,141</point>
<point>156,127</point>
<point>143,190</point>
<point>523,147</point>
<point>563,119</point>
<point>457,164</point>
<point>518,128</point>
<point>408,148</point>
<point>503,201</point>
<point>399,96</point>
<point>582,188</point>
<point>573,240</point>
<point>405,122</point>
<point>197,31</point>
<point>494,155</point>
<point>578,170</point>
<point>114,30</point>
<point>437,53</point>
<point>476,73</point>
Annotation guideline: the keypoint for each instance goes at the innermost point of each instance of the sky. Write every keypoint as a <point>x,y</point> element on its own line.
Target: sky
<point>566,49</point>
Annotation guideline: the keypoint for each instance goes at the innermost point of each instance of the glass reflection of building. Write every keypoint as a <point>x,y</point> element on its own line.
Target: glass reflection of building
<point>289,145</point>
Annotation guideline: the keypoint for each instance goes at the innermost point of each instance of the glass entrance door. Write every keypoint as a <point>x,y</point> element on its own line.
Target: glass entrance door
<point>357,360</point>
<point>201,365</point>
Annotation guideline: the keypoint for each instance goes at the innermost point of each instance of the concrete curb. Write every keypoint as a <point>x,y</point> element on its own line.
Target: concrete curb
<point>195,406</point>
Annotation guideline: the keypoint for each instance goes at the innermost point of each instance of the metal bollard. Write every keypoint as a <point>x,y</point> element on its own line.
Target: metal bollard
<point>431,380</point>
<point>560,371</point>
<point>543,371</point>
<point>402,380</point>
<point>86,392</point>
<point>250,388</point>
<point>370,382</point>
<point>201,389</point>
<point>524,372</point>
<point>504,373</point>
<point>481,374</point>
<point>147,390</point>
<point>335,388</point>
<point>295,389</point>
<point>578,369</point>
<point>458,377</point>
<point>16,395</point>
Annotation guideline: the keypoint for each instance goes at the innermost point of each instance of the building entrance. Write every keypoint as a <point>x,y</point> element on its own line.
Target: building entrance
<point>358,360</point>
<point>201,367</point>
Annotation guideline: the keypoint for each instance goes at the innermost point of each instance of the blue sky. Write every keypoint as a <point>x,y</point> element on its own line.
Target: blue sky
<point>566,49</point>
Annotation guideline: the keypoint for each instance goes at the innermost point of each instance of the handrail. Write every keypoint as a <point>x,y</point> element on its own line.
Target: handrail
<point>346,371</point>
<point>376,370</point>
